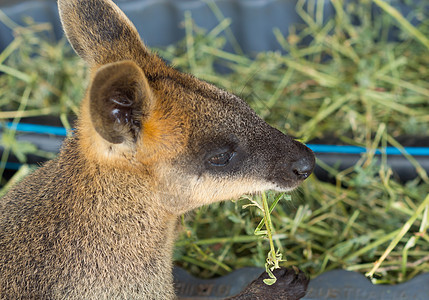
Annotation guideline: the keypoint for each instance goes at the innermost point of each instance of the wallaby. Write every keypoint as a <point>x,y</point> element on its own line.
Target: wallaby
<point>151,143</point>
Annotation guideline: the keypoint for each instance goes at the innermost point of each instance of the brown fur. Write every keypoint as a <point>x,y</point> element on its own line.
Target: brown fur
<point>99,221</point>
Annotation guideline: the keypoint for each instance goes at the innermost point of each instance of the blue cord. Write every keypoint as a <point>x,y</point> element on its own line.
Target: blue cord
<point>347,149</point>
<point>41,129</point>
<point>340,149</point>
<point>12,166</point>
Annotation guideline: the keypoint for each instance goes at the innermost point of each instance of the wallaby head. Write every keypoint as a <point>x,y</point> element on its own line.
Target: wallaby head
<point>199,143</point>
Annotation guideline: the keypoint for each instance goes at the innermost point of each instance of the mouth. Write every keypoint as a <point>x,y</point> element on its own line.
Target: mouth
<point>288,173</point>
<point>284,185</point>
<point>285,182</point>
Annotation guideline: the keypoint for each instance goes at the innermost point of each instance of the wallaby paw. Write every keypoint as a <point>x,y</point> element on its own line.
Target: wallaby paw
<point>291,284</point>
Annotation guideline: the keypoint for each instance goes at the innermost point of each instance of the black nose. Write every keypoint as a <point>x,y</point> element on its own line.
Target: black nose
<point>303,167</point>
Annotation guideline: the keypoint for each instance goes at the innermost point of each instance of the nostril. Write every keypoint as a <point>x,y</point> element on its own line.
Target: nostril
<point>303,167</point>
<point>300,175</point>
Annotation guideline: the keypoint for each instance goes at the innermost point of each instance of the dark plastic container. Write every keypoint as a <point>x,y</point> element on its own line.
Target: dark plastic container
<point>160,22</point>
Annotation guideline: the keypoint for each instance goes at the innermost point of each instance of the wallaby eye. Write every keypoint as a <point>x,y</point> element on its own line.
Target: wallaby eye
<point>221,159</point>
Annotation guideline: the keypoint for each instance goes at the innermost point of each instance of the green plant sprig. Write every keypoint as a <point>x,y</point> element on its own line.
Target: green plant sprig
<point>274,257</point>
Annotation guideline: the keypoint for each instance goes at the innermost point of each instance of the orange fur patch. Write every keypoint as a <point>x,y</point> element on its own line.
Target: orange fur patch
<point>162,138</point>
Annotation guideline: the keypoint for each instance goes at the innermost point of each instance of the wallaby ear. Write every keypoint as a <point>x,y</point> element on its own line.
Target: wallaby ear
<point>99,31</point>
<point>120,100</point>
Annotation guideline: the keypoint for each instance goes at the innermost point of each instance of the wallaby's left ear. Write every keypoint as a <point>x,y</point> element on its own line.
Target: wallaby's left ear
<point>120,100</point>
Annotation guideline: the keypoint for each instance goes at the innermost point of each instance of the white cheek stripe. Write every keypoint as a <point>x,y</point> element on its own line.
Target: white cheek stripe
<point>209,191</point>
